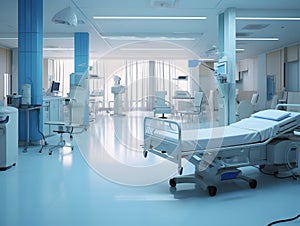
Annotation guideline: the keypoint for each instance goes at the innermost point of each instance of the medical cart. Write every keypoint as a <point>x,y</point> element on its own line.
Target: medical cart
<point>8,137</point>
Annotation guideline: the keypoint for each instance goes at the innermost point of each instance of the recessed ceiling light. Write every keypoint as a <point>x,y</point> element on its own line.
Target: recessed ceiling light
<point>149,17</point>
<point>207,59</point>
<point>135,38</point>
<point>59,38</point>
<point>151,49</point>
<point>163,3</point>
<point>58,49</point>
<point>267,18</point>
<point>255,26</point>
<point>243,34</point>
<point>8,38</point>
<point>257,39</point>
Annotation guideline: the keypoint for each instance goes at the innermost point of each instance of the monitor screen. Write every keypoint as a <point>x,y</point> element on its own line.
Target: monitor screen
<point>222,68</point>
<point>55,87</point>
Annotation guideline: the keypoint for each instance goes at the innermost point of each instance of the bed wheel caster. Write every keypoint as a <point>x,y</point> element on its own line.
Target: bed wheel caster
<point>145,153</point>
<point>212,190</point>
<point>253,184</point>
<point>172,182</point>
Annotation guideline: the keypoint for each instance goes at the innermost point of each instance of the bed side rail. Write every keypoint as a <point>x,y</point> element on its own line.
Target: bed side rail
<point>161,129</point>
<point>163,138</point>
<point>293,124</point>
<point>287,105</point>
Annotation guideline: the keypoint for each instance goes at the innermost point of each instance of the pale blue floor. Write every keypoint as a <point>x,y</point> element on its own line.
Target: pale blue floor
<point>67,188</point>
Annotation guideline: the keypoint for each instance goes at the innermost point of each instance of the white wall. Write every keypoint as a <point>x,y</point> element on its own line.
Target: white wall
<point>275,66</point>
<point>292,68</point>
<point>15,70</point>
<point>262,81</point>
<point>249,81</point>
<point>207,80</point>
<point>258,68</point>
<point>5,67</point>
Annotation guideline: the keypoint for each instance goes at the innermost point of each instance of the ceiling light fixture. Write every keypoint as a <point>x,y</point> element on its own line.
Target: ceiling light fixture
<point>151,49</point>
<point>267,18</point>
<point>257,39</point>
<point>240,50</point>
<point>149,17</point>
<point>65,16</point>
<point>163,3</point>
<point>15,38</point>
<point>135,38</point>
<point>58,49</point>
<point>8,38</point>
<point>207,60</point>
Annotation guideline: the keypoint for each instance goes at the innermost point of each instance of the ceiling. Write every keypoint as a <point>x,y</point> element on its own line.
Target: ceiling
<point>158,38</point>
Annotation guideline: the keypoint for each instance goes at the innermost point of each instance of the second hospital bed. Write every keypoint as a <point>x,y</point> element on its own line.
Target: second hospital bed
<point>265,138</point>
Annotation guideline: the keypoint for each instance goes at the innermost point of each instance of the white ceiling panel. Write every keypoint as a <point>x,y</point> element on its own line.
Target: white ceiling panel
<point>204,33</point>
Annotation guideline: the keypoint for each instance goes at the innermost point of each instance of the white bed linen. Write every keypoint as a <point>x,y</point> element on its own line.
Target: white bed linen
<point>217,137</point>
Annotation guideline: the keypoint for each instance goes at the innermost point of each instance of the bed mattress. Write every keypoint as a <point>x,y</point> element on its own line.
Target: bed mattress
<point>247,131</point>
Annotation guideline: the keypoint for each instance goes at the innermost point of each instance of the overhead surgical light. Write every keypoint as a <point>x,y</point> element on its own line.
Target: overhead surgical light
<point>65,16</point>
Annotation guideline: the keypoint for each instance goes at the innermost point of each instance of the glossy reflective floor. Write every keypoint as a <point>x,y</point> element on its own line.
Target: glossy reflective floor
<point>107,181</point>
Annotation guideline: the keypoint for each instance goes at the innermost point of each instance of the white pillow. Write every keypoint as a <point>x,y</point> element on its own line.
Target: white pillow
<point>271,114</point>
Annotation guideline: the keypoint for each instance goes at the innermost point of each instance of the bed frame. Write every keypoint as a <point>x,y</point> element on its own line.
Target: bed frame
<point>213,165</point>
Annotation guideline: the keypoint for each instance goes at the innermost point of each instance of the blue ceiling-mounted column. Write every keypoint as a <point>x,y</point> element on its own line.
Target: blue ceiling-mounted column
<point>227,54</point>
<point>81,51</point>
<point>81,67</point>
<point>30,62</point>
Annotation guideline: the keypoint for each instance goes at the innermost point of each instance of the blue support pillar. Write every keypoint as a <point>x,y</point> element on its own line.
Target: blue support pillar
<point>81,67</point>
<point>227,53</point>
<point>30,63</point>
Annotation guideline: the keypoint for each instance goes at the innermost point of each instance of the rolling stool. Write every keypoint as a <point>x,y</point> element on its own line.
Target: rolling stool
<point>62,142</point>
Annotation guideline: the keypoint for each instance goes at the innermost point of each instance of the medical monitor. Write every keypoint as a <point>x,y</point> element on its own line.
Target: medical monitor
<point>182,77</point>
<point>221,68</point>
<point>55,87</point>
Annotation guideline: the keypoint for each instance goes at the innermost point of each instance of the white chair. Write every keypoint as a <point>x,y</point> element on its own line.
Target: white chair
<point>275,101</point>
<point>197,102</point>
<point>293,98</point>
<point>284,98</point>
<point>160,106</point>
<point>244,110</point>
<point>65,125</point>
<point>61,129</point>
<point>192,107</point>
<point>254,99</point>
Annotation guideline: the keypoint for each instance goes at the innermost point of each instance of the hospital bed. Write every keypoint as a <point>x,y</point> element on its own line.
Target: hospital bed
<point>265,139</point>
